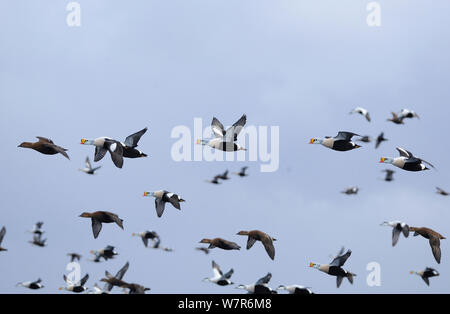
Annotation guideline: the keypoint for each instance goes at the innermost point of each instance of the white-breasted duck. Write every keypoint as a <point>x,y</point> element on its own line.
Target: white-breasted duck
<point>260,287</point>
<point>100,217</point>
<point>335,268</point>
<point>104,145</point>
<point>296,289</point>
<point>406,113</point>
<point>221,244</point>
<point>242,173</point>
<point>88,169</point>
<point>225,140</point>
<point>434,239</point>
<point>33,285</point>
<point>107,253</point>
<point>219,277</point>
<point>389,175</point>
<point>351,190</point>
<point>2,235</point>
<point>425,274</point>
<point>266,240</point>
<point>362,112</point>
<point>37,228</point>
<point>398,227</point>
<point>162,197</point>
<point>45,146</point>
<point>341,142</point>
<point>146,235</point>
<point>442,192</point>
<point>407,161</point>
<point>130,144</point>
<point>76,287</point>
<point>380,139</point>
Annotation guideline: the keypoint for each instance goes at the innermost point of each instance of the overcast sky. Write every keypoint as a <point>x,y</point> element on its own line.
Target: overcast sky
<point>298,65</point>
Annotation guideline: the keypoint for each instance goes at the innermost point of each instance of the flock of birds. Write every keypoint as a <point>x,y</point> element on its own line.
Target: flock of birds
<point>225,140</point>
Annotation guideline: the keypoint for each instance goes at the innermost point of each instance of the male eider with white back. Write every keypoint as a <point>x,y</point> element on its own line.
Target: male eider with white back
<point>341,142</point>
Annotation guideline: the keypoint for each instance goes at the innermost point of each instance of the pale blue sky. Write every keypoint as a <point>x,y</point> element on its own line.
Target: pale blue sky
<point>299,65</point>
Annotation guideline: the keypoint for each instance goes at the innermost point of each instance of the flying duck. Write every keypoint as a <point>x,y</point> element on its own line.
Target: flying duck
<point>221,244</point>
<point>335,268</point>
<point>106,144</point>
<point>266,240</point>
<point>441,192</point>
<point>406,113</point>
<point>362,112</point>
<point>45,146</point>
<point>341,142</point>
<point>111,281</point>
<point>219,278</point>
<point>398,227</point>
<point>203,249</point>
<point>434,239</point>
<point>425,274</point>
<point>223,176</point>
<point>146,235</point>
<point>407,161</point>
<point>380,139</point>
<point>215,180</point>
<point>260,287</point>
<point>100,217</point>
<point>76,287</point>
<point>106,253</point>
<point>162,197</point>
<point>365,139</point>
<point>225,140</point>
<point>296,289</point>
<point>37,228</point>
<point>351,190</point>
<point>88,169</point>
<point>396,119</point>
<point>33,285</point>
<point>97,290</point>
<point>134,288</point>
<point>2,235</point>
<point>74,257</point>
<point>38,241</point>
<point>242,172</point>
<point>130,144</point>
<point>389,175</point>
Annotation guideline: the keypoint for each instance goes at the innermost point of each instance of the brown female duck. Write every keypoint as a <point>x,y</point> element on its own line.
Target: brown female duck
<point>266,240</point>
<point>100,217</point>
<point>45,146</point>
<point>221,243</point>
<point>434,239</point>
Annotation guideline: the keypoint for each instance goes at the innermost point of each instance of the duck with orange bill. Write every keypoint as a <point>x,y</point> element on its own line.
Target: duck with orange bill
<point>162,197</point>
<point>341,142</point>
<point>104,145</point>
<point>407,161</point>
<point>76,287</point>
<point>335,268</point>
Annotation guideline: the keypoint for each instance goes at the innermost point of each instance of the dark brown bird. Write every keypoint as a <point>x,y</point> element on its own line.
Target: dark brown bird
<point>45,146</point>
<point>266,240</point>
<point>2,235</point>
<point>116,280</point>
<point>380,139</point>
<point>74,256</point>
<point>396,119</point>
<point>434,239</point>
<point>221,243</point>
<point>100,217</point>
<point>441,192</point>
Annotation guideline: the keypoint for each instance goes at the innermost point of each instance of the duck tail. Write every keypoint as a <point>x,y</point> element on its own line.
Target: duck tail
<point>350,277</point>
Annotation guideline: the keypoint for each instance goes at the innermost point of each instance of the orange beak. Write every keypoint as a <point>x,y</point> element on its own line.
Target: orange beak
<point>311,141</point>
<point>382,159</point>
<point>83,141</point>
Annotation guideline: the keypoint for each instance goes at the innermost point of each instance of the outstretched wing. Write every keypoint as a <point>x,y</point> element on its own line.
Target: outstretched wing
<point>217,128</point>
<point>404,153</point>
<point>250,242</point>
<point>264,280</point>
<point>88,163</point>
<point>232,133</point>
<point>228,274</point>
<point>100,152</point>
<point>345,136</point>
<point>84,279</point>
<point>159,204</point>
<point>340,260</point>
<point>395,235</point>
<point>44,139</point>
<point>216,270</point>
<point>96,227</point>
<point>2,234</point>
<point>116,151</point>
<point>133,139</point>
<point>122,271</point>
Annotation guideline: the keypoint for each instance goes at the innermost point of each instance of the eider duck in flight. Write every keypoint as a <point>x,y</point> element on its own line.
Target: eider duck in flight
<point>111,281</point>
<point>398,227</point>
<point>242,173</point>
<point>106,144</point>
<point>407,161</point>
<point>442,192</point>
<point>76,287</point>
<point>38,241</point>
<point>130,144</point>
<point>335,268</point>
<point>74,257</point>
<point>351,190</point>
<point>45,146</point>
<point>107,253</point>
<point>406,113</point>
<point>97,290</point>
<point>296,289</point>
<point>37,228</point>
<point>433,237</point>
<point>389,175</point>
<point>396,119</point>
<point>266,240</point>
<point>162,197</point>
<point>88,169</point>
<point>380,139</point>
<point>223,176</point>
<point>341,142</point>
<point>33,285</point>
<point>225,140</point>
<point>146,235</point>
<point>2,235</point>
<point>221,244</point>
<point>260,287</point>
<point>425,274</point>
<point>215,180</point>
<point>362,112</point>
<point>219,277</point>
<point>100,217</point>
